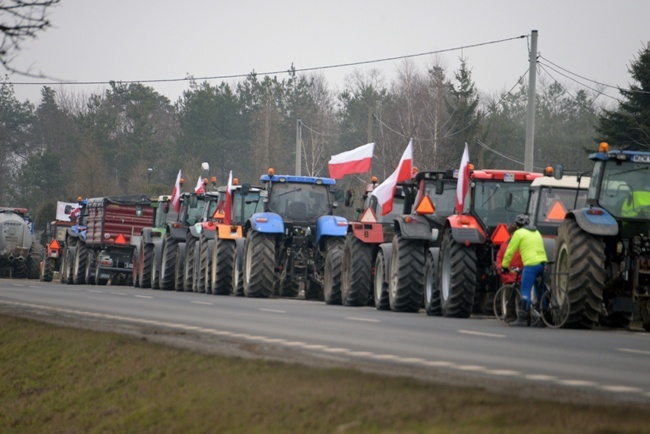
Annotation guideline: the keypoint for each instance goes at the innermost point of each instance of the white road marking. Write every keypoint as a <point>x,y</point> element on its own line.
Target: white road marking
<point>335,350</point>
<point>293,343</point>
<point>273,310</point>
<point>314,347</point>
<point>384,357</point>
<point>144,296</point>
<point>540,377</point>
<point>202,302</point>
<point>469,368</point>
<point>413,360</point>
<point>622,389</point>
<point>352,318</point>
<point>487,335</point>
<point>438,364</point>
<point>577,383</point>
<point>503,372</point>
<point>633,351</point>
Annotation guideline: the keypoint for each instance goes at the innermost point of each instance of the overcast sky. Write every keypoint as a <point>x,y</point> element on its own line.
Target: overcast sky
<point>101,40</point>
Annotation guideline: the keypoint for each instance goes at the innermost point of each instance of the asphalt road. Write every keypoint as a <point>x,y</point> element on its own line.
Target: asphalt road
<point>604,364</point>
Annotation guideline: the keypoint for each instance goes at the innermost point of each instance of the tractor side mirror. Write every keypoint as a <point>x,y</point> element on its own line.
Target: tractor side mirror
<point>559,171</point>
<point>349,198</point>
<point>440,186</point>
<point>244,189</point>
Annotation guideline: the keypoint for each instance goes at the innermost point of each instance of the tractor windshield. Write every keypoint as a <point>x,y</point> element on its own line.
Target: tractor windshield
<point>444,203</point>
<point>252,204</point>
<point>299,202</point>
<point>555,202</point>
<point>624,190</point>
<point>497,202</point>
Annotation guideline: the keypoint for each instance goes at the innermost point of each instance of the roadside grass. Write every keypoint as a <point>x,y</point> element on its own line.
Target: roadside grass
<point>64,380</point>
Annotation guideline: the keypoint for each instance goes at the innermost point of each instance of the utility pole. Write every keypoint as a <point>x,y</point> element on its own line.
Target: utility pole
<point>298,146</point>
<point>530,116</point>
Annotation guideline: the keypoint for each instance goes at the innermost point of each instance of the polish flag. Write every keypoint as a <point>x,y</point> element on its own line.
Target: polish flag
<point>386,190</point>
<point>200,187</point>
<point>176,194</point>
<point>463,181</point>
<point>357,160</point>
<point>227,209</point>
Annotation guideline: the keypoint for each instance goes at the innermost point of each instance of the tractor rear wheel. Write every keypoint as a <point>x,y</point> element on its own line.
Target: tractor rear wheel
<point>145,265</point>
<point>169,253</point>
<point>457,278</point>
<point>406,274</point>
<point>47,270</point>
<point>237,281</point>
<point>580,272</point>
<point>188,271</point>
<point>205,261</point>
<point>223,256</point>
<point>380,283</point>
<point>431,287</point>
<point>79,265</point>
<point>332,277</point>
<point>259,264</point>
<point>34,261</point>
<point>356,272</point>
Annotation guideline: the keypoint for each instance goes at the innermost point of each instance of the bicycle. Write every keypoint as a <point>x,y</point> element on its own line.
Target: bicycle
<point>552,308</point>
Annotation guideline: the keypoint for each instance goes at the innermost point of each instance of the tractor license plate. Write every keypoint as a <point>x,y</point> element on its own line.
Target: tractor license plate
<point>104,275</point>
<point>509,177</point>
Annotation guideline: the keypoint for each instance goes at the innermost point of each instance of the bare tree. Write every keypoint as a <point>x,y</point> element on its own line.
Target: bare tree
<point>21,20</point>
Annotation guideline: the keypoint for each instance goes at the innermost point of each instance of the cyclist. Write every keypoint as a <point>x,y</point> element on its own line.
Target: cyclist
<point>508,278</point>
<point>530,244</point>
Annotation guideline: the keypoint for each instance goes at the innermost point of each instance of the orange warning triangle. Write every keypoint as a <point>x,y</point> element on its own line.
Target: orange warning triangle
<point>368,216</point>
<point>557,212</point>
<point>425,206</point>
<point>54,245</point>
<point>120,239</point>
<point>500,234</point>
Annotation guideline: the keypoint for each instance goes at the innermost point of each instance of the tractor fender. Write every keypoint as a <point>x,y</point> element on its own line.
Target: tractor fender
<point>147,237</point>
<point>194,231</point>
<point>227,232</point>
<point>601,223</point>
<point>267,222</point>
<point>332,226</point>
<point>469,231</point>
<point>387,251</point>
<point>177,233</point>
<point>414,227</point>
<point>549,247</point>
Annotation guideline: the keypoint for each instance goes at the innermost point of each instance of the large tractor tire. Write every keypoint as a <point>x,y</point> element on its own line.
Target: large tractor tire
<point>89,272</point>
<point>381,283</point>
<point>169,253</point>
<point>223,261</point>
<point>145,265</point>
<point>457,278</point>
<point>79,265</point>
<point>47,269</point>
<point>34,261</point>
<point>406,281</point>
<point>431,287</point>
<point>66,261</point>
<point>179,267</point>
<point>356,272</point>
<point>259,264</point>
<point>238,273</point>
<point>135,273</point>
<point>332,277</point>
<point>580,272</point>
<point>155,270</point>
<point>203,274</point>
<point>189,263</point>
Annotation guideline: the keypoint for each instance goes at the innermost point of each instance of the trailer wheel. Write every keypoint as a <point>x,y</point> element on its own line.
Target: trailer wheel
<point>145,265</point>
<point>223,256</point>
<point>167,275</point>
<point>580,272</point>
<point>188,270</point>
<point>431,287</point>
<point>406,281</point>
<point>100,281</point>
<point>457,278</point>
<point>381,284</point>
<point>259,264</point>
<point>79,267</point>
<point>47,272</point>
<point>33,261</point>
<point>332,277</point>
<point>356,272</point>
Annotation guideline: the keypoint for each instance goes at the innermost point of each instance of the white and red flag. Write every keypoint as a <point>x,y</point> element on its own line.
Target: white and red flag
<point>227,209</point>
<point>386,190</point>
<point>200,186</point>
<point>176,194</point>
<point>358,160</point>
<point>463,181</point>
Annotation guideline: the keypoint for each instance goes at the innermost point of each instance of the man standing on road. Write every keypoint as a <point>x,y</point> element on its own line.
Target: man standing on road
<point>530,244</point>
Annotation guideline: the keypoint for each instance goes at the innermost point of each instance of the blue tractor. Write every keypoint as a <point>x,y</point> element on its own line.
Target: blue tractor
<point>602,251</point>
<point>286,245</point>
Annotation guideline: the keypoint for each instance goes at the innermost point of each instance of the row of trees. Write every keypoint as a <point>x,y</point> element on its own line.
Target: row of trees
<point>131,139</point>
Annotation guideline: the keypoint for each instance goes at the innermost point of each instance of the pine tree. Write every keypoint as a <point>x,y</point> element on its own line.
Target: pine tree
<point>629,125</point>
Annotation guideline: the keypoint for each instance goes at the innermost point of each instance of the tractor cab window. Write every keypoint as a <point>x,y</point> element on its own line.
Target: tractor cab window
<point>625,188</point>
<point>444,203</point>
<point>555,202</point>
<point>252,204</point>
<point>497,202</point>
<point>299,202</point>
<point>194,211</point>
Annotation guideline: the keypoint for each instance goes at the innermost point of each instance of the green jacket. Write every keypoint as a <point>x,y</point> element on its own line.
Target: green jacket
<point>634,203</point>
<point>530,244</point>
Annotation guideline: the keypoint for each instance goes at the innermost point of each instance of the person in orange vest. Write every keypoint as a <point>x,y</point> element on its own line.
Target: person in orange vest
<point>508,278</point>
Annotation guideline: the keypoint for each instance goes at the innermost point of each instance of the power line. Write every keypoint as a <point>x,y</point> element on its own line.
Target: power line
<point>225,77</point>
<point>589,109</point>
<point>581,84</point>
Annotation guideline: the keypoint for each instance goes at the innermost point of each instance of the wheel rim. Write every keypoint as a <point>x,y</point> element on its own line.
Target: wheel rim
<point>346,269</point>
<point>379,278</point>
<point>428,282</point>
<point>235,273</point>
<point>446,271</point>
<point>562,275</point>
<point>394,268</point>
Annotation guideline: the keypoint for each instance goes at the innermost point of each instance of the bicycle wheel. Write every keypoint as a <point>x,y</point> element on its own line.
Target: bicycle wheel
<point>555,308</point>
<point>505,303</point>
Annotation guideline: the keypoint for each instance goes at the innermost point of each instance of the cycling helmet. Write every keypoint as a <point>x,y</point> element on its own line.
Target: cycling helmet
<point>522,220</point>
